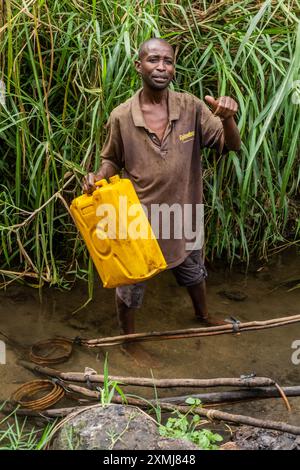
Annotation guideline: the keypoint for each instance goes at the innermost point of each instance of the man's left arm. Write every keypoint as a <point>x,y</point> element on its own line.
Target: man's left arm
<point>226,108</point>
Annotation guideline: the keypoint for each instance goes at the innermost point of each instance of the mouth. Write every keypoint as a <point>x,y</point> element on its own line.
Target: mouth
<point>160,79</point>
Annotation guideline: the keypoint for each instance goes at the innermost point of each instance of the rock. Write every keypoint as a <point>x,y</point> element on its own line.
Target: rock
<point>229,446</point>
<point>236,295</point>
<point>249,438</point>
<point>114,427</point>
<point>175,444</point>
<point>20,297</point>
<point>77,325</point>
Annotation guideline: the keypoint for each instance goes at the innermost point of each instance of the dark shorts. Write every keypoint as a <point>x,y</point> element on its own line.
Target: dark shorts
<point>190,272</point>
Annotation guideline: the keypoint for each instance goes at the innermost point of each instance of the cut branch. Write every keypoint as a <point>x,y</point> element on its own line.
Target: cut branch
<point>188,333</point>
<point>147,382</point>
<point>209,414</point>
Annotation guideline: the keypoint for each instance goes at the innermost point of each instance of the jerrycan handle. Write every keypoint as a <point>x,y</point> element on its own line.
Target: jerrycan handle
<point>114,179</point>
<point>101,183</point>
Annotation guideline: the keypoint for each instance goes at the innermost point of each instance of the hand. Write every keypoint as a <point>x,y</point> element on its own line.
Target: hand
<point>224,107</point>
<point>88,183</point>
<point>106,171</point>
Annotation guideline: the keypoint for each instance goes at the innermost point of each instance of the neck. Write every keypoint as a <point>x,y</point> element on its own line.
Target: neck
<point>150,96</point>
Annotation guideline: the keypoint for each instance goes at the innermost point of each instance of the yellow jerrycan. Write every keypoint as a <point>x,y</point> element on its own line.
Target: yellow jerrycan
<point>117,233</point>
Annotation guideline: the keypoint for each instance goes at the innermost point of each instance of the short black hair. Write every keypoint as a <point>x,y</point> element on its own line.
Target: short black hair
<point>143,46</point>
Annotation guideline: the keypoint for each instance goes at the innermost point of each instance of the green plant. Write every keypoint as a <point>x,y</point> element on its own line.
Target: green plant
<point>153,405</point>
<point>17,434</point>
<point>110,387</point>
<point>184,426</point>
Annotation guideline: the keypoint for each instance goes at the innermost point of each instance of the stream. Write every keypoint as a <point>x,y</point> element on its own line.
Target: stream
<point>270,292</point>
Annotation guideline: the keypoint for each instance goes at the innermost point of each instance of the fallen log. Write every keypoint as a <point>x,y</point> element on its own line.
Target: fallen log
<point>147,382</point>
<point>234,327</point>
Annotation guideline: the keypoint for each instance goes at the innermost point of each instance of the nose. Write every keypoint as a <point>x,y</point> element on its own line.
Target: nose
<point>161,66</point>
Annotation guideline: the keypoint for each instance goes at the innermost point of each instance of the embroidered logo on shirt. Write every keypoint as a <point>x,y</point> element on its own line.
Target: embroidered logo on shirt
<point>187,137</point>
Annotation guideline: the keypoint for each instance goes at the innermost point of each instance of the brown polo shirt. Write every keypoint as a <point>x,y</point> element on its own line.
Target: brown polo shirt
<point>169,171</point>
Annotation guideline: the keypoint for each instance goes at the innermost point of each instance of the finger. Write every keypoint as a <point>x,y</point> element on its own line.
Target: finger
<point>211,101</point>
<point>228,103</point>
<point>83,184</point>
<point>226,107</point>
<point>221,105</point>
<point>91,178</point>
<point>231,104</point>
<point>90,189</point>
<point>87,188</point>
<point>224,100</point>
<point>88,183</point>
<point>219,110</point>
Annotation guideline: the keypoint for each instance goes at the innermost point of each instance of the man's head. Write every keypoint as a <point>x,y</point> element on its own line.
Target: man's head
<point>155,63</point>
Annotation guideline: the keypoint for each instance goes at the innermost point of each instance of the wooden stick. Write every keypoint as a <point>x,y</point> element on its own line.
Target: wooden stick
<point>94,394</point>
<point>239,419</point>
<point>236,395</point>
<point>284,397</point>
<point>146,382</point>
<point>209,414</point>
<point>188,333</point>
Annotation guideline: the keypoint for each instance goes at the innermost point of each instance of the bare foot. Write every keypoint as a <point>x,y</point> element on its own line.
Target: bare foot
<point>140,356</point>
<point>211,321</point>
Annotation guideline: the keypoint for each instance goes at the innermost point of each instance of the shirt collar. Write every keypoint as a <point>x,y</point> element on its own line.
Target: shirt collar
<point>137,115</point>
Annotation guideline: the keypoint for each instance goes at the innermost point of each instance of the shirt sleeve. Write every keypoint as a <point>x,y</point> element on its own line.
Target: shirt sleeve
<point>112,150</point>
<point>211,130</point>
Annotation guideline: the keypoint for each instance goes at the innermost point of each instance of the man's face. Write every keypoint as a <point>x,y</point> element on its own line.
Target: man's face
<point>156,66</point>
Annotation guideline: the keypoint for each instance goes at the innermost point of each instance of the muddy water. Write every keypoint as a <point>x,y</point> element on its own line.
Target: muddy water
<point>27,320</point>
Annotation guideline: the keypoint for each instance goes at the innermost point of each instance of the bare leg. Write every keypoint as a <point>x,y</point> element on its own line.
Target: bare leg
<point>134,350</point>
<point>198,296</point>
<point>125,317</point>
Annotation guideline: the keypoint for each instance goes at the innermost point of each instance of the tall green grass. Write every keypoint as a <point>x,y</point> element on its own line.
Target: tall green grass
<point>67,64</point>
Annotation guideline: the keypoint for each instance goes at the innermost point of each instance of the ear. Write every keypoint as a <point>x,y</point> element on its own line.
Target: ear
<point>137,64</point>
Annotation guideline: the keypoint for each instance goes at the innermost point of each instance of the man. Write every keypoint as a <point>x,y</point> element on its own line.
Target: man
<point>156,138</point>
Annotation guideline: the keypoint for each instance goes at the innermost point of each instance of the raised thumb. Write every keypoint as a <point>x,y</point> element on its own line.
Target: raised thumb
<point>210,100</point>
